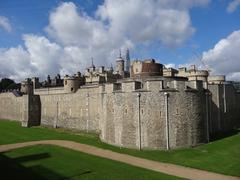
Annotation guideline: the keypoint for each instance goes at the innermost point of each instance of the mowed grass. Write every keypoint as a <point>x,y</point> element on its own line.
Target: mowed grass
<point>52,162</point>
<point>222,156</point>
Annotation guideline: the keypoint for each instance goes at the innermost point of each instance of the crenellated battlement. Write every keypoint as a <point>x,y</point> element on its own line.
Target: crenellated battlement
<point>155,108</point>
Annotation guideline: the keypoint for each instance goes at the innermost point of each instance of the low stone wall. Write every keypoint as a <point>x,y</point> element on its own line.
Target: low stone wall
<point>26,108</point>
<point>11,107</point>
<point>54,90</point>
<point>78,110</point>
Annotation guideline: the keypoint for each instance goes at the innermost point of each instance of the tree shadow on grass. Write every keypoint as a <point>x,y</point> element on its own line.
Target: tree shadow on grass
<point>12,168</point>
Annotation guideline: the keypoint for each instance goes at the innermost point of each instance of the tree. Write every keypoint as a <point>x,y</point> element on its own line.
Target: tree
<point>6,84</point>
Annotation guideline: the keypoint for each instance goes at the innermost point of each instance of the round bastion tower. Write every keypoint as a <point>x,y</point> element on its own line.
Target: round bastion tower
<point>71,84</point>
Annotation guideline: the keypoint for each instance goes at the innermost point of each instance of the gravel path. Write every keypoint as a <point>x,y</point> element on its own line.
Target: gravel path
<point>166,168</point>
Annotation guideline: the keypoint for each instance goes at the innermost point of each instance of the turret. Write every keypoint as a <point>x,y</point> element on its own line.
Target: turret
<point>27,86</point>
<point>197,75</point>
<point>71,84</point>
<point>120,65</point>
<point>35,81</point>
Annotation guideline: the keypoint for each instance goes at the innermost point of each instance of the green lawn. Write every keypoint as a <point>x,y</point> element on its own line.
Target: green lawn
<point>52,162</point>
<point>222,156</point>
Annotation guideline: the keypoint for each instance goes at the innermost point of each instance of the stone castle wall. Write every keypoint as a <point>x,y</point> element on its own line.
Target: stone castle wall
<point>25,109</point>
<point>11,107</point>
<point>78,110</point>
<point>44,91</point>
<point>134,121</point>
<point>132,115</point>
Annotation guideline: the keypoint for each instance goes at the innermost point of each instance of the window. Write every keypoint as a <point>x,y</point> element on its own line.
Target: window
<point>71,89</point>
<point>65,82</point>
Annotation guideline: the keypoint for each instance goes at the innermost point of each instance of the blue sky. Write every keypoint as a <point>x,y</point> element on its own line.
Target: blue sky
<point>182,32</point>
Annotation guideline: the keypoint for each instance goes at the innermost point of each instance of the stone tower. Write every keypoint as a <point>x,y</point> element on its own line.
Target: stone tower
<point>120,65</point>
<point>71,84</point>
<point>27,86</point>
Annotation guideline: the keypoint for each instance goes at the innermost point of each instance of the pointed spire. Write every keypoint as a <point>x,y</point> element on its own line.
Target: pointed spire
<point>120,54</point>
<point>127,59</point>
<point>111,68</point>
<point>92,62</point>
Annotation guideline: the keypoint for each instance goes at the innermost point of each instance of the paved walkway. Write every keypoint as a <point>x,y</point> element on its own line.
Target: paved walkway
<point>166,168</point>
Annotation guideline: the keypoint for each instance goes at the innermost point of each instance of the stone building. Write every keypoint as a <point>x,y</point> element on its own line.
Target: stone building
<point>148,110</point>
<point>99,75</point>
<point>169,72</point>
<point>146,68</point>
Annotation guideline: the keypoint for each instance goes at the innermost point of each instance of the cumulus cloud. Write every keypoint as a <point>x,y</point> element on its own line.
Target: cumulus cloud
<point>136,21</point>
<point>224,58</point>
<point>39,57</point>
<point>117,24</point>
<point>233,5</point>
<point>15,62</point>
<point>5,24</point>
<point>149,20</point>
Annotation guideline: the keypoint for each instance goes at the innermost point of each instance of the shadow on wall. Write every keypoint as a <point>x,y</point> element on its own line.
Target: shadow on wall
<point>221,135</point>
<point>224,109</point>
<point>222,124</point>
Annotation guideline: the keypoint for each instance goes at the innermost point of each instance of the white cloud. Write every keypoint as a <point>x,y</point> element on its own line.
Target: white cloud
<point>76,37</point>
<point>224,58</point>
<point>15,63</point>
<point>5,24</point>
<point>38,57</point>
<point>142,21</point>
<point>233,5</point>
<point>118,22</point>
<point>170,65</point>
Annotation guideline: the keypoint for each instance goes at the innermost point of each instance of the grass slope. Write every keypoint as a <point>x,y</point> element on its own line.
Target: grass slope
<point>52,162</point>
<point>222,156</point>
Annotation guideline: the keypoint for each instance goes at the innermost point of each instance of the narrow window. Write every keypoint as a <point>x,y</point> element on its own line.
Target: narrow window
<point>71,89</point>
<point>65,82</point>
